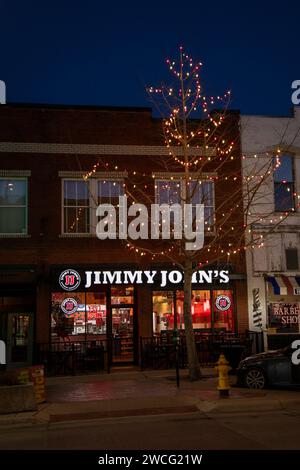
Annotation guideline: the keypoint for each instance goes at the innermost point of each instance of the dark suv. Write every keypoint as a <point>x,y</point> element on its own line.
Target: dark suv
<point>273,368</point>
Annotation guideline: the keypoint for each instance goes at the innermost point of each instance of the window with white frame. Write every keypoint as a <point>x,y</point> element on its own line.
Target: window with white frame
<point>81,198</point>
<point>13,206</point>
<point>284,185</point>
<point>169,191</point>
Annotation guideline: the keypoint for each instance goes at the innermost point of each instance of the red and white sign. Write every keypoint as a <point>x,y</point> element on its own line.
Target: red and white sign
<point>223,303</point>
<point>69,306</point>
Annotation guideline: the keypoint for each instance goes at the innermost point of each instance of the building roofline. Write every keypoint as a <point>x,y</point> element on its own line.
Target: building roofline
<point>287,116</point>
<point>78,106</point>
<point>142,109</point>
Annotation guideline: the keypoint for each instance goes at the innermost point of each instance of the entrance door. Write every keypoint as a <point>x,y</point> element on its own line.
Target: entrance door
<point>19,339</point>
<point>122,334</point>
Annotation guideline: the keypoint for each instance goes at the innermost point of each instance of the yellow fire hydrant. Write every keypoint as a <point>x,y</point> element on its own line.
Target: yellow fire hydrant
<point>223,384</point>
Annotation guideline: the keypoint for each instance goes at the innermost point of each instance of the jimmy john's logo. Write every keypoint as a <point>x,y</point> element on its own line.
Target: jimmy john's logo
<point>69,280</point>
<point>69,306</point>
<point>223,302</point>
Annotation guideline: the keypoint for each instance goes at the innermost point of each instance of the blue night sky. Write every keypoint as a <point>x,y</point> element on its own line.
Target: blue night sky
<point>105,53</point>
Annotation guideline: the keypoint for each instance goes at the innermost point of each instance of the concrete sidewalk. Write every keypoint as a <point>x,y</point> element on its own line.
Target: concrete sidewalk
<point>133,392</point>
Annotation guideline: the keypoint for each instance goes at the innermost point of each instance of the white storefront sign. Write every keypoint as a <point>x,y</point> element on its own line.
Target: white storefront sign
<point>70,278</point>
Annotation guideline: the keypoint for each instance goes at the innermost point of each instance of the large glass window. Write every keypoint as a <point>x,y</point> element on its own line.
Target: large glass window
<point>284,185</point>
<point>201,309</point>
<point>223,310</point>
<point>13,205</point>
<point>80,200</point>
<point>202,192</point>
<point>77,315</point>
<point>122,295</point>
<point>163,311</point>
<point>209,311</point>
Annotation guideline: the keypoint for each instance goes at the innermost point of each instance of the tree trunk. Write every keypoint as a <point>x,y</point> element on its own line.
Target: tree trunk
<point>193,362</point>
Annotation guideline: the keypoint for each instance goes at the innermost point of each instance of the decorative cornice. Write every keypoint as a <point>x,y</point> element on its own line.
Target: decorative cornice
<point>14,235</point>
<point>179,175</point>
<point>98,174</point>
<point>15,173</point>
<point>99,149</point>
<point>77,235</point>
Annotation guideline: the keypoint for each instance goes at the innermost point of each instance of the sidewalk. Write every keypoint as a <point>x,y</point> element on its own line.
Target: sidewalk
<point>128,392</point>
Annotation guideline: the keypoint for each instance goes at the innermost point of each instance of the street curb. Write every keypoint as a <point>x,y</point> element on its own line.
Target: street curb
<point>59,413</point>
<point>245,405</point>
<point>240,405</point>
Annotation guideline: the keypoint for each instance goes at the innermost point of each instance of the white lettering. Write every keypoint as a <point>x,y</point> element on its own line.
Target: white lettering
<point>224,277</point>
<point>296,354</point>
<point>88,279</point>
<point>150,276</point>
<point>106,227</point>
<point>163,278</point>
<point>2,352</point>
<point>112,277</point>
<point>132,277</point>
<point>296,93</point>
<point>175,277</point>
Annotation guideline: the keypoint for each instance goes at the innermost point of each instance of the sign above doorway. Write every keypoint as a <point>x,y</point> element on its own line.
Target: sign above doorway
<point>70,279</point>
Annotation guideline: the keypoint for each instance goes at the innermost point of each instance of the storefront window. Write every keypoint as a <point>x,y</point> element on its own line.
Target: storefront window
<point>78,315</point>
<point>223,310</point>
<point>201,310</point>
<point>209,311</point>
<point>96,312</point>
<point>122,295</point>
<point>163,311</point>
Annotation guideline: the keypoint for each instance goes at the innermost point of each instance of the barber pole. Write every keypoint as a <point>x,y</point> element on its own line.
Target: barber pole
<point>257,313</point>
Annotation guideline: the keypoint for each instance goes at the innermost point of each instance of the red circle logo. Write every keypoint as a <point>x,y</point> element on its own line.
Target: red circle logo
<point>223,302</point>
<point>69,279</point>
<point>69,306</point>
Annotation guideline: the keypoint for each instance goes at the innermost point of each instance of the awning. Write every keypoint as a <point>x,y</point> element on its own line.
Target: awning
<point>283,285</point>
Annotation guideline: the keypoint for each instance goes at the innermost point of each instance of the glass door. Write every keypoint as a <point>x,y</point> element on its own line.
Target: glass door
<point>122,333</point>
<point>19,339</point>
<point>122,324</point>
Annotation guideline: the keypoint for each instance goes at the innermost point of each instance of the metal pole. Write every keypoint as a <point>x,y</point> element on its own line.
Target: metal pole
<point>177,339</point>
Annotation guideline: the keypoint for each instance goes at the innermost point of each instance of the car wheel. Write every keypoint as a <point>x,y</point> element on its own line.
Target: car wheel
<point>255,378</point>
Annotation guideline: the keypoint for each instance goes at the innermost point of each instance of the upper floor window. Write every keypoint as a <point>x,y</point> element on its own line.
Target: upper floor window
<point>13,206</point>
<point>291,258</point>
<point>284,185</point>
<point>81,198</point>
<point>201,192</point>
<point>109,191</point>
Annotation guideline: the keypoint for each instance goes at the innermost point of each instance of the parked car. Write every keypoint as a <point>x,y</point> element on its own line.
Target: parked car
<point>269,369</point>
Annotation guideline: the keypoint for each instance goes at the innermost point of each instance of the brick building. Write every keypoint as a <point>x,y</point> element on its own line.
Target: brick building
<point>47,235</point>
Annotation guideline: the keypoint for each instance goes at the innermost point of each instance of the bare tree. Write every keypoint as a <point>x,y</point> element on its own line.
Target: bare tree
<point>204,162</point>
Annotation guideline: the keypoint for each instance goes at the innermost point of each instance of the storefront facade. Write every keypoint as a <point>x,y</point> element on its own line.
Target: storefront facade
<point>119,304</point>
<point>51,230</point>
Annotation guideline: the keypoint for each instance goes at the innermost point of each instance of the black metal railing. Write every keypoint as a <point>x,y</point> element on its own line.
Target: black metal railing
<point>69,358</point>
<point>159,352</point>
<point>156,352</point>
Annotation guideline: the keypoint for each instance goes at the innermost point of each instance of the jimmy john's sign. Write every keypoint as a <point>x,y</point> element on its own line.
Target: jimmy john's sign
<point>70,279</point>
